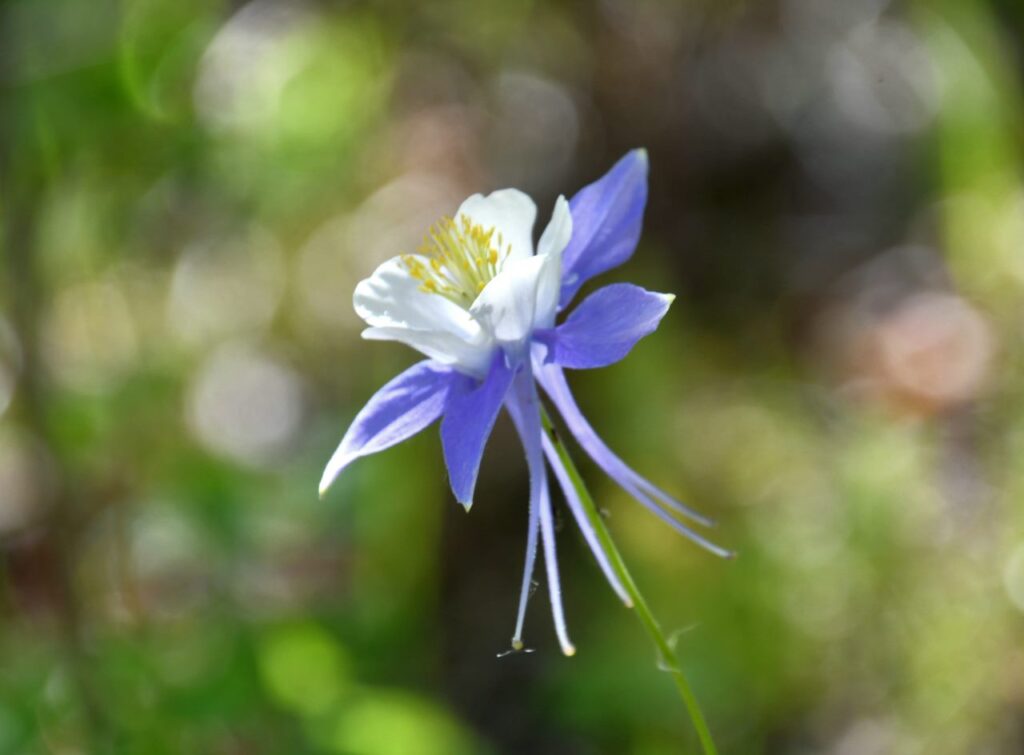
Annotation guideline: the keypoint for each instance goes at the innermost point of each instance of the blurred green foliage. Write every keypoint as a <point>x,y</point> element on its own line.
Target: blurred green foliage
<point>189,192</point>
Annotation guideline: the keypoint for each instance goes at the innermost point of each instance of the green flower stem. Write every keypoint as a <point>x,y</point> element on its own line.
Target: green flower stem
<point>667,659</point>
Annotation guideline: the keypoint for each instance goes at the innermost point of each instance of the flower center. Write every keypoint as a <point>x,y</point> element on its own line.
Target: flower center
<point>461,257</point>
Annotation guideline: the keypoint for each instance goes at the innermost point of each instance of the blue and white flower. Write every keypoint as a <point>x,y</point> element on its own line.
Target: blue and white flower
<point>482,305</point>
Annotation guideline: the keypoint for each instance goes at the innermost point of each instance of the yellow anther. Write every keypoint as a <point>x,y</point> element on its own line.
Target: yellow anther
<point>460,259</point>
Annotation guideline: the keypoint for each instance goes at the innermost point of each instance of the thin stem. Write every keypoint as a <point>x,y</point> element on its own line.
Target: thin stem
<point>666,654</point>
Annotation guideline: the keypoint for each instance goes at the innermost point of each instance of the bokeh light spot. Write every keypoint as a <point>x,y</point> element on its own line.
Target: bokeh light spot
<point>393,723</point>
<point>226,287</point>
<point>90,337</point>
<point>245,405</point>
<point>304,668</point>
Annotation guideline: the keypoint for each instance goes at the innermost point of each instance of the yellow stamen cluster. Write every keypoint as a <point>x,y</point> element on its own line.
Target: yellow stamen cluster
<point>461,258</point>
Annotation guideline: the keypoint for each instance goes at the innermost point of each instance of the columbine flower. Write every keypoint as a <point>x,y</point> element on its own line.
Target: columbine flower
<point>482,305</point>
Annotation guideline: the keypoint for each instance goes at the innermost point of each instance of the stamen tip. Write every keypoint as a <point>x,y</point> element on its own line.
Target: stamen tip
<point>517,645</point>
<point>569,650</point>
<point>627,603</point>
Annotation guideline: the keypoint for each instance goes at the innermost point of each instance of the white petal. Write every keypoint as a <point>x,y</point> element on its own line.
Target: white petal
<point>556,236</point>
<point>549,288</point>
<point>507,307</point>
<point>510,213</point>
<point>470,357</point>
<point>552,242</point>
<point>391,298</point>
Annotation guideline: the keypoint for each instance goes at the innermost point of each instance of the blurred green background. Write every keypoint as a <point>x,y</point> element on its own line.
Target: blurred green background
<point>190,191</point>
